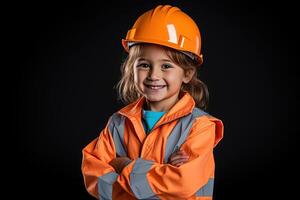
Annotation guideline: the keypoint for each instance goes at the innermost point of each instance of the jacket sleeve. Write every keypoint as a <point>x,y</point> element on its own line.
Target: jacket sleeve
<point>98,175</point>
<point>148,179</point>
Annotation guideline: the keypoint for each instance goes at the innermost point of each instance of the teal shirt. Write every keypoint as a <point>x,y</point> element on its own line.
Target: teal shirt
<point>150,118</point>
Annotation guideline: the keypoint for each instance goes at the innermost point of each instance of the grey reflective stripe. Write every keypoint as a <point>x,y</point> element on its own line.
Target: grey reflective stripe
<point>138,180</point>
<point>105,184</point>
<point>207,189</point>
<point>181,131</point>
<point>116,128</point>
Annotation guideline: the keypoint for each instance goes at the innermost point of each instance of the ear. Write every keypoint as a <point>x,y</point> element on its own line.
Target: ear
<point>189,75</point>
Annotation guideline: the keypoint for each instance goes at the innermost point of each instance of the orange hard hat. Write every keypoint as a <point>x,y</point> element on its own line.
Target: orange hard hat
<point>167,26</point>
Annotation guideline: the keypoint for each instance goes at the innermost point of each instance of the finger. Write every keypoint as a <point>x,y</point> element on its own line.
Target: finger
<point>176,157</point>
<point>178,160</point>
<point>181,152</point>
<point>183,160</point>
<point>178,164</point>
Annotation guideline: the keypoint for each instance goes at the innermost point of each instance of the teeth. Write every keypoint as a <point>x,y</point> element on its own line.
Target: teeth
<point>155,87</point>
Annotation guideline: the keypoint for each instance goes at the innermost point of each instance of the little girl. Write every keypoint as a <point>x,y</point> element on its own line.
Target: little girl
<point>159,146</point>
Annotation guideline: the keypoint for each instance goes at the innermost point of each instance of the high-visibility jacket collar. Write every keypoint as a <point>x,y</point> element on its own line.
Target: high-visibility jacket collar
<point>183,107</point>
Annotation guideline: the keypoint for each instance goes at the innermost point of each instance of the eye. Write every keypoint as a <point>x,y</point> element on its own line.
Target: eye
<point>143,65</point>
<point>166,66</point>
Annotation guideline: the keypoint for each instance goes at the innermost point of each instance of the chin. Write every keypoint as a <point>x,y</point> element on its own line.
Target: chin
<point>153,98</point>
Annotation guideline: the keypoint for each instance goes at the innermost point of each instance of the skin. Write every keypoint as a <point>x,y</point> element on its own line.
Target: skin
<point>159,80</point>
<point>119,163</point>
<point>178,158</point>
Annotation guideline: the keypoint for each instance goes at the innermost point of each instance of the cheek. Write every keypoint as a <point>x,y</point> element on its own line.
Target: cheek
<point>139,76</point>
<point>174,80</point>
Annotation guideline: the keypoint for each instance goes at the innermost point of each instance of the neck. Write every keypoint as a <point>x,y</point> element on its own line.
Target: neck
<point>154,106</point>
<point>161,106</point>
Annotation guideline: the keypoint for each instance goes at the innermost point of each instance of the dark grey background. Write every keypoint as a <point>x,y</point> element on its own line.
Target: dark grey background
<point>70,56</point>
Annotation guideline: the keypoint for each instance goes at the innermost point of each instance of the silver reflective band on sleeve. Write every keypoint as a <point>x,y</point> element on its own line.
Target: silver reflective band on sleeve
<point>105,184</point>
<point>180,132</point>
<point>116,128</point>
<point>138,180</point>
<point>207,189</point>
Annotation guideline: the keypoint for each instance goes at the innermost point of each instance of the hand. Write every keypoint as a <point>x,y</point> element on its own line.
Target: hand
<point>178,158</point>
<point>119,163</point>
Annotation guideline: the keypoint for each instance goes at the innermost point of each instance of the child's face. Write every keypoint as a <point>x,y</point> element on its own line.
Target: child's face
<point>158,78</point>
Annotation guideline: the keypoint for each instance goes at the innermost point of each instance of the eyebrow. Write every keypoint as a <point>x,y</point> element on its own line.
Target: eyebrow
<point>144,59</point>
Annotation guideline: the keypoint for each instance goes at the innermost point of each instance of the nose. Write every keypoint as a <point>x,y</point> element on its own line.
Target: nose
<point>154,74</point>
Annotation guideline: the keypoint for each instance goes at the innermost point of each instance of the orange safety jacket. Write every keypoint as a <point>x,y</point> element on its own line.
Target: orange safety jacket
<point>149,176</point>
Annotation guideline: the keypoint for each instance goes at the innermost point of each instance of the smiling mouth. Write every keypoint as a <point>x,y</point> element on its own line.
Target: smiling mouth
<point>155,87</point>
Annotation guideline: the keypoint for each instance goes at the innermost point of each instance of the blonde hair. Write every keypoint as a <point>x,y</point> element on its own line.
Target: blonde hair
<point>128,92</point>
